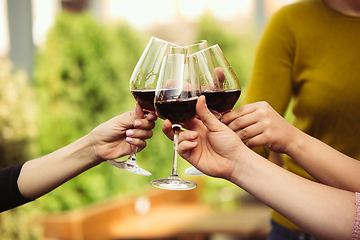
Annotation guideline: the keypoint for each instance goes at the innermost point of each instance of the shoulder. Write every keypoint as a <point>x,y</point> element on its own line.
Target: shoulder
<point>300,10</point>
<point>299,17</point>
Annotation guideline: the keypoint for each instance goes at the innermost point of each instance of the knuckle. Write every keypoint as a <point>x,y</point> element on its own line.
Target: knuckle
<point>262,112</point>
<point>242,134</point>
<point>237,123</point>
<point>266,123</point>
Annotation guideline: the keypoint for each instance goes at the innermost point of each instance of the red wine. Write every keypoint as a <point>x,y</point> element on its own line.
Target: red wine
<point>145,98</point>
<point>221,101</point>
<point>177,110</point>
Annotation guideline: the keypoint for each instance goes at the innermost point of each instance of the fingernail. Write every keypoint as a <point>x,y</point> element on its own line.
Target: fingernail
<point>129,133</point>
<point>129,139</point>
<point>137,123</point>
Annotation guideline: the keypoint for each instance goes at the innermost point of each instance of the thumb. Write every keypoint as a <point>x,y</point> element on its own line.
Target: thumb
<point>139,114</point>
<point>209,120</point>
<point>126,120</point>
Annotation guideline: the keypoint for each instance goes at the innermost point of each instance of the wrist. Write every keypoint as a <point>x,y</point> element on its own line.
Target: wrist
<point>241,166</point>
<point>91,148</point>
<point>296,143</point>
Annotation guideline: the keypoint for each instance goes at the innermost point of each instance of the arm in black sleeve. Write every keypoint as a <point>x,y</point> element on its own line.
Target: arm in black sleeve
<point>10,196</point>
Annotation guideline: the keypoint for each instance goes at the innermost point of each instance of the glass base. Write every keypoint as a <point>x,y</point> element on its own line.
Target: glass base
<point>193,171</point>
<point>130,166</point>
<point>173,183</point>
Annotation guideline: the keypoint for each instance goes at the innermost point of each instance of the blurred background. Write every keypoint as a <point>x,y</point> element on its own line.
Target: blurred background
<point>65,68</point>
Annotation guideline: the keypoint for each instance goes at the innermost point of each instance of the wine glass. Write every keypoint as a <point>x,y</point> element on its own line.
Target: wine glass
<point>142,86</point>
<point>189,48</point>
<point>219,84</point>
<point>177,91</point>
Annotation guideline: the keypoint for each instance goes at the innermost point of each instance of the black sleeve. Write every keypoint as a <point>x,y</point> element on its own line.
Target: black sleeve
<point>10,195</point>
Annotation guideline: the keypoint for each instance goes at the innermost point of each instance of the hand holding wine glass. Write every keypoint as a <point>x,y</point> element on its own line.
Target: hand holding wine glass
<point>142,86</point>
<point>177,91</point>
<point>219,84</point>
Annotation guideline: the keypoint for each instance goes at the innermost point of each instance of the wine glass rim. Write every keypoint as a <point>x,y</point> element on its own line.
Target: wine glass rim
<point>193,43</point>
<point>205,49</point>
<point>167,56</point>
<point>164,41</point>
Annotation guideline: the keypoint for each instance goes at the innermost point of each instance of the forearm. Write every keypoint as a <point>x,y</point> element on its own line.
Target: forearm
<point>324,163</point>
<point>323,211</point>
<point>40,176</point>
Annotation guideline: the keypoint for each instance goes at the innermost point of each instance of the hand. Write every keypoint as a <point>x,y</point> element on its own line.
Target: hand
<point>112,139</point>
<point>210,145</point>
<point>261,125</point>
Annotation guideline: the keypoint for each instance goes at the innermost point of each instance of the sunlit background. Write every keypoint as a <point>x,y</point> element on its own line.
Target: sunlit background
<point>147,15</point>
<point>64,69</point>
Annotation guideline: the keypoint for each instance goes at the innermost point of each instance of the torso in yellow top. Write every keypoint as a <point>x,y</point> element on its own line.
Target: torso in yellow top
<point>311,53</point>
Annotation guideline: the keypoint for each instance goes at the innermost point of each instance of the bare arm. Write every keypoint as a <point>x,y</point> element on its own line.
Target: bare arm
<point>109,140</point>
<point>216,150</point>
<point>261,125</point>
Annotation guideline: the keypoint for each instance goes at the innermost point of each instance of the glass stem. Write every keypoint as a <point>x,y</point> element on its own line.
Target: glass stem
<point>176,129</point>
<point>132,156</point>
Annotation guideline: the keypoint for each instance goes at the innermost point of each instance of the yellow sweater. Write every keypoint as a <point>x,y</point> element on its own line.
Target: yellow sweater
<point>311,53</point>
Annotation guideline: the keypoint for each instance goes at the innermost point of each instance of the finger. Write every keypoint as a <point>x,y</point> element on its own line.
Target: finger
<point>151,116</point>
<point>243,122</point>
<point>167,129</point>
<point>185,147</point>
<point>188,136</point>
<point>139,133</point>
<point>219,77</point>
<point>250,132</point>
<point>140,143</point>
<point>256,141</point>
<point>239,112</point>
<point>144,124</point>
<point>209,120</point>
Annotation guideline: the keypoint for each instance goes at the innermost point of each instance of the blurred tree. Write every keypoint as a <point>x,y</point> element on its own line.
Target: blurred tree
<point>81,77</point>
<point>81,80</point>
<point>17,115</point>
<point>238,48</point>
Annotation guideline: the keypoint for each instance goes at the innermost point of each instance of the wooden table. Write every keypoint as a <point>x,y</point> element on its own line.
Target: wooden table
<point>173,215</point>
<point>192,221</point>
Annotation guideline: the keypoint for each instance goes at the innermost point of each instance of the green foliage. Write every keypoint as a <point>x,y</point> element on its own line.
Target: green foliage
<point>17,130</point>
<point>81,80</point>
<point>20,225</point>
<point>17,122</point>
<point>81,77</point>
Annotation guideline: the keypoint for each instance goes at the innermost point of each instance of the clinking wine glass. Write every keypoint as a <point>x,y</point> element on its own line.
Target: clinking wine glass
<point>142,86</point>
<point>219,84</point>
<point>189,48</point>
<point>177,91</point>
